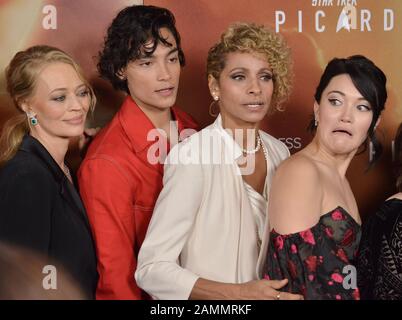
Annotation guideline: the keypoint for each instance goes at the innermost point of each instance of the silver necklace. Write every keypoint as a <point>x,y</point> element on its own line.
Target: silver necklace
<point>67,171</point>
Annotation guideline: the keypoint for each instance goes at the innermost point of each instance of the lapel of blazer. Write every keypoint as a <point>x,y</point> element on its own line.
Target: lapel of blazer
<point>66,188</point>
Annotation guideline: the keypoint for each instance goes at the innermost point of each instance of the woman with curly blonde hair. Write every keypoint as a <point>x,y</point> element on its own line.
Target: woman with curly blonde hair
<point>205,239</point>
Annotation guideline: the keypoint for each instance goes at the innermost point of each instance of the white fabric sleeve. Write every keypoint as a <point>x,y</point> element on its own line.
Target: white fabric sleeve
<point>158,271</point>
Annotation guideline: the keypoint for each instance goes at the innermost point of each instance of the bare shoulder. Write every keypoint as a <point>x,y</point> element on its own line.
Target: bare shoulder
<point>296,195</point>
<point>396,196</point>
<point>298,166</point>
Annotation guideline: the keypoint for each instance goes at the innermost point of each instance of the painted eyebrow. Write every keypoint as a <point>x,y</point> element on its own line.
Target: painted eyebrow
<point>65,89</point>
<point>342,94</point>
<point>246,69</point>
<point>336,91</point>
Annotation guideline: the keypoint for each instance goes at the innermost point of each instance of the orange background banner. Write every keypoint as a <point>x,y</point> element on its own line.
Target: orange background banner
<point>310,27</point>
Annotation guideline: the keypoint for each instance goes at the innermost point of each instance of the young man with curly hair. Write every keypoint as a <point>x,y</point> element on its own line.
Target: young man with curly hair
<point>121,175</point>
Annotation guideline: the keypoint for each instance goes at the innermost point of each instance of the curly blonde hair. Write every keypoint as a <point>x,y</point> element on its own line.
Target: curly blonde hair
<point>249,38</point>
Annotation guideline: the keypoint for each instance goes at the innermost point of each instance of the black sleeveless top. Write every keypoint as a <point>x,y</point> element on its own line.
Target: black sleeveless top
<point>318,262</point>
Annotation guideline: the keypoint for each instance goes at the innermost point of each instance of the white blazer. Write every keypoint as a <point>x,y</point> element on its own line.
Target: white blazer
<point>202,224</point>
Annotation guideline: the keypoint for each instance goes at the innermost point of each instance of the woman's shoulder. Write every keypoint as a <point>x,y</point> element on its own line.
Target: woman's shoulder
<point>24,166</point>
<point>397,196</point>
<point>390,210</point>
<point>299,165</point>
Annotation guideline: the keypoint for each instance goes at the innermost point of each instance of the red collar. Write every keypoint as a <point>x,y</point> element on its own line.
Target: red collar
<point>137,125</point>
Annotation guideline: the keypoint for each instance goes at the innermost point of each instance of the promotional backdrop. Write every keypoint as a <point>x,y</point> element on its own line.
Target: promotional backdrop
<point>316,31</point>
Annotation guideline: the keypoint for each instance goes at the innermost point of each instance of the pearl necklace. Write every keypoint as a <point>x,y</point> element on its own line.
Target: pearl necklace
<point>265,152</point>
<point>256,149</point>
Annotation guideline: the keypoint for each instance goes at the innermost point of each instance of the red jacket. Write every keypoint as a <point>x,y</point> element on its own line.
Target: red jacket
<point>119,188</point>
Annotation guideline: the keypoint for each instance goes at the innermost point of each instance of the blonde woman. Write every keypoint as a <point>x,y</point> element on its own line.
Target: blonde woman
<point>204,239</point>
<point>40,208</point>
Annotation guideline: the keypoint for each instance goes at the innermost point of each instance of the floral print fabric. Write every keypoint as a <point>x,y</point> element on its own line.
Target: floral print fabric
<point>314,260</point>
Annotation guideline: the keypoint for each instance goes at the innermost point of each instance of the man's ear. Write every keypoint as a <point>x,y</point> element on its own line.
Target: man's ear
<point>121,74</point>
<point>213,86</point>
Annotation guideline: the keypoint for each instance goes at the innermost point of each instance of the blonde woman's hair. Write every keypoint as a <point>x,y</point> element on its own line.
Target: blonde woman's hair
<point>253,38</point>
<point>21,76</point>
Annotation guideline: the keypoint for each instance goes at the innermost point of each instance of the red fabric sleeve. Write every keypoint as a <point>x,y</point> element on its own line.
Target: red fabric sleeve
<point>108,198</point>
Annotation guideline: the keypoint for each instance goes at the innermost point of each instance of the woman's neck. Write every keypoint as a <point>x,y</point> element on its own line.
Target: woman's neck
<point>322,154</point>
<point>56,146</point>
<point>244,133</point>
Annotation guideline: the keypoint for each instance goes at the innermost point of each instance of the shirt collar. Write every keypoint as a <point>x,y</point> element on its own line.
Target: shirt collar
<point>137,125</point>
<point>232,148</point>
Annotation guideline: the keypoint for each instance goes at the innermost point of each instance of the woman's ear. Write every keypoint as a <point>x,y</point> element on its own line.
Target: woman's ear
<point>316,111</point>
<point>213,87</point>
<point>24,105</point>
<point>377,122</point>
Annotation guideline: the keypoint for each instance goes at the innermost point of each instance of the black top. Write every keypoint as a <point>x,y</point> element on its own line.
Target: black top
<point>318,262</point>
<point>41,210</point>
<point>380,257</point>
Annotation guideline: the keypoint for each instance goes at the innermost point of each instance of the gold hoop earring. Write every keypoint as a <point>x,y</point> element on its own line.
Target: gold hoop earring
<point>210,110</point>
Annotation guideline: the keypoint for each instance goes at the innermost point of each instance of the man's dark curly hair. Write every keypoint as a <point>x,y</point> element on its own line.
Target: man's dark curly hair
<point>132,28</point>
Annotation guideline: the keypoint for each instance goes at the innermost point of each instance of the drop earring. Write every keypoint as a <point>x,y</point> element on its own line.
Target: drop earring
<point>32,119</point>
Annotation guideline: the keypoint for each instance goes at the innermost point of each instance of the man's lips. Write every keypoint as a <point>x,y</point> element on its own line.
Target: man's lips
<point>165,91</point>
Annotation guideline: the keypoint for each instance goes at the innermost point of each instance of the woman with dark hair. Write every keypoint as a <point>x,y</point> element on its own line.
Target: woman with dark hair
<point>379,267</point>
<point>40,207</point>
<point>121,175</point>
<point>314,218</point>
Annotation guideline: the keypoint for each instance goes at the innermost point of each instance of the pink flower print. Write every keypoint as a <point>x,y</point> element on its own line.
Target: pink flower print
<point>337,215</point>
<point>311,263</point>
<point>348,238</point>
<point>293,248</point>
<point>311,277</point>
<point>338,297</point>
<point>278,243</point>
<point>331,283</point>
<point>308,236</point>
<point>266,277</point>
<point>337,277</point>
<point>356,294</point>
<point>329,232</point>
<point>292,269</point>
<point>342,255</point>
